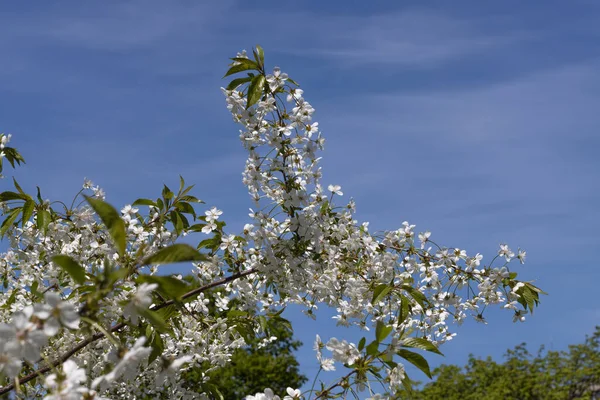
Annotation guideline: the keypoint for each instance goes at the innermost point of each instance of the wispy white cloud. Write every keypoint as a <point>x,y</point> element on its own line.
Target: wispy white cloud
<point>118,26</point>
<point>414,37</point>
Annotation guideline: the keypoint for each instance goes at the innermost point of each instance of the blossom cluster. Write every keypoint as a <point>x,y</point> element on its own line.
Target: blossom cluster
<point>83,300</point>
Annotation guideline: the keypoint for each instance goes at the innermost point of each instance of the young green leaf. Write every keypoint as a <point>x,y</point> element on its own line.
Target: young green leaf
<point>7,196</point>
<point>28,207</point>
<point>421,343</point>
<point>17,186</point>
<point>373,348</point>
<point>361,343</point>
<point>72,267</point>
<point>382,331</point>
<point>259,55</point>
<point>9,221</point>
<point>144,202</point>
<point>417,360</point>
<point>242,66</point>
<point>42,219</point>
<point>154,319</point>
<point>237,82</point>
<point>255,90</point>
<point>175,253</point>
<point>172,287</point>
<point>380,292</point>
<point>111,218</point>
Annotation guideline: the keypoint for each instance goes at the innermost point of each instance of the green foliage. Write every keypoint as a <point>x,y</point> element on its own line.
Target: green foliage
<point>175,253</point>
<point>112,219</point>
<point>548,375</point>
<point>252,369</point>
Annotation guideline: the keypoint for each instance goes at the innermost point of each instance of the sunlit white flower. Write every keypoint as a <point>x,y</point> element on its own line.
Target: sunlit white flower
<point>25,334</point>
<point>140,300</point>
<point>521,256</point>
<point>10,359</point>
<point>506,252</point>
<point>344,352</point>
<point>337,189</point>
<point>66,384</point>
<point>213,214</point>
<point>292,394</point>
<point>56,312</point>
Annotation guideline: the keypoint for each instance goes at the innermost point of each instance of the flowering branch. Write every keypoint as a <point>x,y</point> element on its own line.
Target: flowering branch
<point>61,359</point>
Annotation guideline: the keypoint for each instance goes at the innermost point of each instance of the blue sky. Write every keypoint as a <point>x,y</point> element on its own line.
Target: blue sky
<point>474,120</point>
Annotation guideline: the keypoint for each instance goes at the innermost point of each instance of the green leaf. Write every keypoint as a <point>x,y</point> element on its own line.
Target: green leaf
<point>185,208</point>
<point>111,218</point>
<point>28,207</point>
<point>181,183</point>
<point>380,292</point>
<point>144,202</point>
<point>255,90</point>
<point>259,55</point>
<point>154,319</point>
<point>416,295</point>
<point>210,243</point>
<point>35,291</point>
<point>404,309</point>
<point>237,82</point>
<point>421,343</point>
<point>156,343</point>
<point>531,298</point>
<point>12,155</point>
<point>361,343</point>
<point>172,287</point>
<point>245,61</point>
<point>9,221</point>
<point>382,331</point>
<point>72,267</point>
<point>42,219</point>
<point>373,348</point>
<point>176,221</point>
<point>7,196</point>
<point>18,187</point>
<point>167,193</point>
<point>417,360</point>
<point>193,199</point>
<point>175,253</point>
<point>116,275</point>
<point>244,65</point>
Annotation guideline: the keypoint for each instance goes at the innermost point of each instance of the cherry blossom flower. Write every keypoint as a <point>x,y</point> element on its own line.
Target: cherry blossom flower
<point>24,334</point>
<point>140,300</point>
<point>336,189</point>
<point>10,359</point>
<point>55,313</point>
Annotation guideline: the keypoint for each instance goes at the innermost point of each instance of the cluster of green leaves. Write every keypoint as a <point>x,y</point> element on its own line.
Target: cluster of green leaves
<point>548,375</point>
<point>12,156</point>
<point>378,350</point>
<point>257,80</point>
<point>174,207</point>
<point>528,293</point>
<point>20,207</point>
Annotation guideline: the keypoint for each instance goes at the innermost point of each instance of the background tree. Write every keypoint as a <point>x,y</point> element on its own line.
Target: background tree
<point>553,375</point>
<point>266,361</point>
<point>254,368</point>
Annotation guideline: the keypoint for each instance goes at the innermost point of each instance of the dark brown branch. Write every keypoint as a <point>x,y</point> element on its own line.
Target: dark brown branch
<point>118,327</point>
